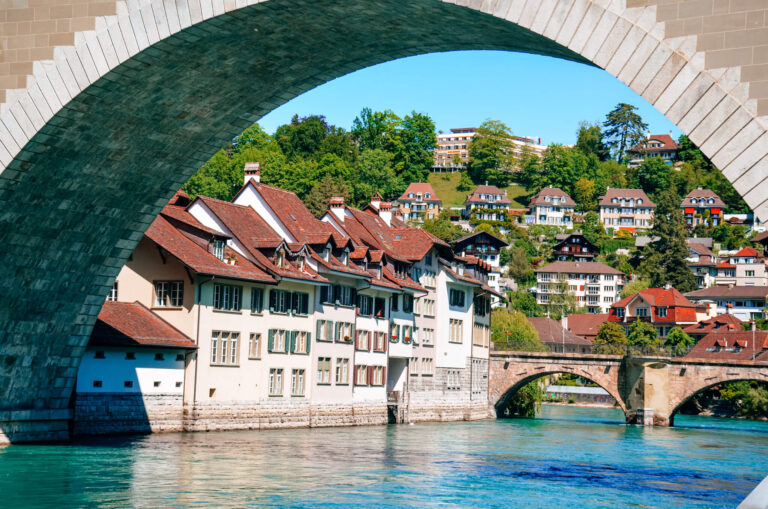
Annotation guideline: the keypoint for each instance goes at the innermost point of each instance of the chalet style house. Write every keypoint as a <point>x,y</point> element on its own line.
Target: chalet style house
<point>664,308</point>
<point>574,247</point>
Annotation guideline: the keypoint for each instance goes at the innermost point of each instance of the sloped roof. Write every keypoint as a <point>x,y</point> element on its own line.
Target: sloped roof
<point>474,197</point>
<point>723,340</point>
<point>667,143</point>
<point>660,297</point>
<point>539,198</point>
<point>700,249</point>
<point>420,187</point>
<point>586,324</point>
<point>730,292</point>
<point>551,331</point>
<point>724,322</point>
<point>495,240</point>
<point>698,194</point>
<point>163,233</point>
<point>561,267</point>
<point>132,324</point>
<point>747,252</point>
<point>244,223</point>
<point>620,193</point>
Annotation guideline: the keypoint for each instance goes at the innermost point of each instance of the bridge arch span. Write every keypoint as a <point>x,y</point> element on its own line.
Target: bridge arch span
<point>97,134</point>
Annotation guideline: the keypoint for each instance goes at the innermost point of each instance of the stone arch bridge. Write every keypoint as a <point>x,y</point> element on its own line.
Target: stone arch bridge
<point>649,390</point>
<point>107,107</point>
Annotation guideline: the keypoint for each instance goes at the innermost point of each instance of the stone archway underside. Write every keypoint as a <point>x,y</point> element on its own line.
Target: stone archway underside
<point>97,140</point>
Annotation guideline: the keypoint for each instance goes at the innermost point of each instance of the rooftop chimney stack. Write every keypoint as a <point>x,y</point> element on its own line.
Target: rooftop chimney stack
<point>252,172</point>
<point>376,199</point>
<point>385,212</point>
<point>337,207</point>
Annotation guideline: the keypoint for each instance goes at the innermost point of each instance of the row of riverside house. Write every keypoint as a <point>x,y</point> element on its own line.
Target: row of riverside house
<point>254,314</point>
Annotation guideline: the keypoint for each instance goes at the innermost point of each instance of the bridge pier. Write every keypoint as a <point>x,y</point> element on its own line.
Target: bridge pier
<point>647,389</point>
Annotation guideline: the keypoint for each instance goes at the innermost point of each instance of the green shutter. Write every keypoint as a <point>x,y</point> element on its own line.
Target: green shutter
<point>309,341</point>
<point>290,339</point>
<point>293,341</point>
<point>319,330</point>
<point>271,342</point>
<point>336,335</point>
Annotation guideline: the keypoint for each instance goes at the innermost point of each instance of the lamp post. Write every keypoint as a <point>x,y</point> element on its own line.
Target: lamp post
<point>753,338</point>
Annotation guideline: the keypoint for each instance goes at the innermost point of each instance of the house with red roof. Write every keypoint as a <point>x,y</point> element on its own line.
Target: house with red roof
<point>131,376</point>
<point>719,323</point>
<point>418,202</point>
<point>487,203</point>
<point>655,145</point>
<point>586,325</point>
<point>744,268</point>
<point>732,345</point>
<point>664,308</point>
<point>703,206</point>
<point>559,339</point>
<point>551,206</point>
<point>626,209</point>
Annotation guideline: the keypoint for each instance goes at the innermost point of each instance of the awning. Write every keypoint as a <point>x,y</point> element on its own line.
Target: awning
<point>690,211</point>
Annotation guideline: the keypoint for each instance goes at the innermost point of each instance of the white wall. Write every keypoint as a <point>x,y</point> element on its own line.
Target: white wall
<point>114,370</point>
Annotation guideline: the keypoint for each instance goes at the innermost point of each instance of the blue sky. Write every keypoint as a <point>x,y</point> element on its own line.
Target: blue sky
<point>534,95</point>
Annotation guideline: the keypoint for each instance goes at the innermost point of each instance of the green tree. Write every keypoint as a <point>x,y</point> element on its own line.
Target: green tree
<point>519,267</point>
<point>593,230</point>
<point>303,136</point>
<point>624,128</point>
<point>633,287</point>
<point>526,401</point>
<point>373,130</point>
<point>320,195</point>
<point>412,147</point>
<point>589,139</point>
<point>442,227</point>
<point>511,330</point>
<point>665,258</point>
<point>563,301</point>
<point>465,183</point>
<point>584,194</point>
<point>610,339</point>
<point>654,176</point>
<point>490,154</point>
<point>525,303</point>
<point>643,335</point>
<point>678,342</point>
<point>374,172</point>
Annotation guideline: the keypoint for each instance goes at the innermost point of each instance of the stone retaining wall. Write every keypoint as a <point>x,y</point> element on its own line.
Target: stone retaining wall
<point>115,413</point>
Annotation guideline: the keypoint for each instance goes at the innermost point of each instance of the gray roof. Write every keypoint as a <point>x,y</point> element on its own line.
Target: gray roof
<point>751,292</point>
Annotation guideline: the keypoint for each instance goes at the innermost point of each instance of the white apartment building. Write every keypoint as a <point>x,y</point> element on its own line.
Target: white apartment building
<point>452,152</point>
<point>594,285</point>
<point>626,209</point>
<point>551,206</point>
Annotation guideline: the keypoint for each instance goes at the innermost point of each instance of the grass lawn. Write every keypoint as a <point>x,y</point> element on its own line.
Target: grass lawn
<point>445,184</point>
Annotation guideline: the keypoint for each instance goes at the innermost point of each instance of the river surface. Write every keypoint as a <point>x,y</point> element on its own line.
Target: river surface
<point>569,457</point>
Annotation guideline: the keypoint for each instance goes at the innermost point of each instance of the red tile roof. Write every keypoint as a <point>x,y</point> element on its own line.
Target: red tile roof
<point>586,325</point>
<point>551,331</point>
<point>560,267</point>
<point>539,198</point>
<point>667,143</point>
<point>474,197</point>
<point>706,194</point>
<point>747,252</point>
<point>730,346</point>
<point>131,324</point>
<point>420,187</point>
<point>729,292</point>
<point>619,193</point>
<point>721,323</point>
<point>165,235</point>
<point>679,308</point>
<point>244,223</point>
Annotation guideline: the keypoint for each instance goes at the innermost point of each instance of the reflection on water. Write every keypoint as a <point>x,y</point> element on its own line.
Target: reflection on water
<point>569,457</point>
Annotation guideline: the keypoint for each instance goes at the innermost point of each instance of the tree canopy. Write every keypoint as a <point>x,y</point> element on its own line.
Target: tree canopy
<point>511,330</point>
<point>624,128</point>
<point>491,157</point>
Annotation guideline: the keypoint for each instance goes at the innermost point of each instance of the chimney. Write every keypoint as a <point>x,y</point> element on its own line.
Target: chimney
<point>337,207</point>
<point>376,199</point>
<point>252,172</point>
<point>385,212</point>
<point>667,286</point>
<point>649,135</point>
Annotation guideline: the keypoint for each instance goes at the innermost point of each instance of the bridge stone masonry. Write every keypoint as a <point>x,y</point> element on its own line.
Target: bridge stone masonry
<point>650,390</point>
<point>107,107</point>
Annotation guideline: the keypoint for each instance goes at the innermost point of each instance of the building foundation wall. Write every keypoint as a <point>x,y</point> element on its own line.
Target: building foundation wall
<point>117,413</point>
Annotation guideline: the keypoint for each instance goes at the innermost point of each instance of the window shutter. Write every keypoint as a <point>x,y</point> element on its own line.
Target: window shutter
<point>370,341</point>
<point>384,375</point>
<point>369,375</point>
<point>354,375</point>
<point>309,342</point>
<point>336,330</point>
<point>272,299</point>
<point>293,342</point>
<point>386,344</point>
<point>319,331</point>
<point>271,343</point>
<point>294,302</point>
<point>324,294</point>
<point>353,330</point>
<point>336,293</point>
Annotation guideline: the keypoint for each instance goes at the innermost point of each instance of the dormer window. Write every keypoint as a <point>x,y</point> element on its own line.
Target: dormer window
<point>301,262</point>
<point>693,200</point>
<point>639,201</point>
<point>218,249</point>
<point>427,195</point>
<point>410,195</point>
<point>345,256</point>
<point>711,201</point>
<point>614,200</point>
<point>279,259</point>
<point>327,253</point>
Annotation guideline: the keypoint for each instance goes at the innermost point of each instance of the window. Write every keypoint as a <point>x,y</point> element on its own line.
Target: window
<point>407,334</point>
<point>750,273</point>
<point>456,331</point>
<point>99,355</point>
<point>364,305</point>
<point>453,380</point>
<point>254,345</point>
<point>378,307</point>
<point>257,300</point>
<point>281,301</point>
<point>179,357</point>
<point>427,367</point>
<point>278,341</point>
<point>130,356</point>
<point>224,348</point>
<point>128,384</point>
<point>662,312</point>
<point>300,342</point>
<point>275,382</point>
<point>344,332</point>
<point>324,371</point>
<point>342,371</point>
<point>324,330</point>
<point>159,357</point>
<point>363,340</point>
<point>380,341</point>
<point>113,293</point>
<point>218,249</point>
<point>227,297</point>
<point>428,338</point>
<point>620,312</point>
<point>429,307</point>
<point>407,303</point>
<point>394,301</point>
<point>97,383</point>
<point>361,375</point>
<point>394,333</point>
<point>642,312</point>
<point>377,377</point>
<point>169,293</point>
<point>297,382</point>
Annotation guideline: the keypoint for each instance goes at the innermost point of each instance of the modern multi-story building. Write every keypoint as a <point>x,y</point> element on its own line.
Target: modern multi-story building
<point>574,247</point>
<point>352,319</point>
<point>664,308</point>
<point>417,203</point>
<point>594,285</point>
<point>626,209</point>
<point>487,203</point>
<point>702,206</point>
<point>655,145</point>
<point>745,268</point>
<point>487,248</point>
<point>552,206</point>
<point>452,152</point>
<point>743,302</point>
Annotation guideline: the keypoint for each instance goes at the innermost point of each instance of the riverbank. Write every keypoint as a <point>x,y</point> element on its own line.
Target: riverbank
<point>582,404</point>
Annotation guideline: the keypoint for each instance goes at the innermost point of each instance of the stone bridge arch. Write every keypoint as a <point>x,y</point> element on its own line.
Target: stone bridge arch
<point>107,107</point>
<point>683,388</point>
<point>509,371</point>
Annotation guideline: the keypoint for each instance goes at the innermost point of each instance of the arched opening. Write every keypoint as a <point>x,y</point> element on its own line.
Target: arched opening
<point>513,404</point>
<point>740,397</point>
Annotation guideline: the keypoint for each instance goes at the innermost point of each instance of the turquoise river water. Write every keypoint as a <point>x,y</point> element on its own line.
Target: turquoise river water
<point>569,457</point>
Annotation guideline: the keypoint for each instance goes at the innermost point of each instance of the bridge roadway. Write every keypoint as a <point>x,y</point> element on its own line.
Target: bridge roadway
<point>650,390</point>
